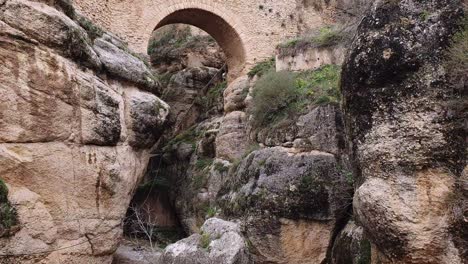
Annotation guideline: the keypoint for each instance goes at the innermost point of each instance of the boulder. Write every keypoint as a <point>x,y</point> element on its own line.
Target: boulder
<point>289,203</point>
<point>146,116</point>
<point>219,242</point>
<point>122,64</point>
<point>235,94</point>
<point>351,246</point>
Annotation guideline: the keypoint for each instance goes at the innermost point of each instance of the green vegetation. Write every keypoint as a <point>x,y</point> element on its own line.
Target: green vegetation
<point>8,216</point>
<point>424,15</point>
<point>94,31</point>
<point>324,37</point>
<point>189,136</point>
<point>173,38</point>
<point>212,97</point>
<point>365,252</point>
<point>202,164</point>
<point>220,167</point>
<point>457,55</point>
<point>199,181</point>
<point>211,212</point>
<point>279,95</point>
<point>262,68</point>
<point>205,240</point>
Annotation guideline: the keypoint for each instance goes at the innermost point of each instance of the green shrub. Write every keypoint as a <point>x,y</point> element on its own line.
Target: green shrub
<point>170,37</point>
<point>3,192</point>
<point>273,94</point>
<point>205,240</point>
<point>211,212</point>
<point>262,68</point>
<point>278,95</point>
<point>327,36</point>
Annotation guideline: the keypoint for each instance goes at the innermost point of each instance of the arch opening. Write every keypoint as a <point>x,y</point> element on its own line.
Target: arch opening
<point>217,27</point>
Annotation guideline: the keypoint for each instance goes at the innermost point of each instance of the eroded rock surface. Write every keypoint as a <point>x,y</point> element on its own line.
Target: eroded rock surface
<point>70,136</point>
<point>408,143</point>
<point>219,242</point>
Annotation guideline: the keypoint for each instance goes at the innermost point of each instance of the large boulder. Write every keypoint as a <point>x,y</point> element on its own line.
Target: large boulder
<point>123,64</point>
<point>219,242</point>
<point>289,203</point>
<point>67,140</point>
<point>408,141</point>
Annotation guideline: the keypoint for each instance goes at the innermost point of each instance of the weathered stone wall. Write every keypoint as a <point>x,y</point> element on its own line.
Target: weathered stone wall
<point>259,25</point>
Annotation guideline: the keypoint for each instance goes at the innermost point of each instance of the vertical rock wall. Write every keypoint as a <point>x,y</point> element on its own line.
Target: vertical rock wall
<point>408,142</point>
<point>77,118</point>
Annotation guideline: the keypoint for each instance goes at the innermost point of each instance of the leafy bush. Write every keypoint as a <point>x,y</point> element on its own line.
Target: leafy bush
<point>278,95</point>
<point>262,68</point>
<point>272,95</point>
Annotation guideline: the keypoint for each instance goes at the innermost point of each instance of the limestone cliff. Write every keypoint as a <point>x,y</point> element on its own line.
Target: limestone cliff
<point>407,136</point>
<point>77,120</point>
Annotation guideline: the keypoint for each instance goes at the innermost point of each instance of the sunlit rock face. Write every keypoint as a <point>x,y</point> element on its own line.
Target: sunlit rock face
<point>77,119</point>
<point>406,135</point>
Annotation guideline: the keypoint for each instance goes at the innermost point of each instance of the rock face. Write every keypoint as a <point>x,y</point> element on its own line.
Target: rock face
<point>289,203</point>
<point>409,148</point>
<point>220,242</point>
<point>71,148</point>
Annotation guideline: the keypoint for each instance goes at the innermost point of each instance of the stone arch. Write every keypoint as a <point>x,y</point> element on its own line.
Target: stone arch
<point>216,21</point>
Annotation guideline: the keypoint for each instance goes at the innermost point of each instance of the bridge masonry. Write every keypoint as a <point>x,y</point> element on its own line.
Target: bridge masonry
<point>256,26</point>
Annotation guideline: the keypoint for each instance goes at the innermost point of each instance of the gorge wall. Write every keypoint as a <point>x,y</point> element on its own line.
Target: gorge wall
<point>354,153</point>
<point>78,118</point>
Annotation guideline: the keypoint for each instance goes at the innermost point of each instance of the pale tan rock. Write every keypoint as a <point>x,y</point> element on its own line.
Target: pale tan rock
<point>231,142</point>
<point>65,141</point>
<point>235,94</point>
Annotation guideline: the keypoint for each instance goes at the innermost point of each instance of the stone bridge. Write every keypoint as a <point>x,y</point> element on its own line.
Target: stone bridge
<point>247,30</point>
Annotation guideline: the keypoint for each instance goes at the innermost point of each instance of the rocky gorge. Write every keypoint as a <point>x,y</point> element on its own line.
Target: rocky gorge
<point>347,146</point>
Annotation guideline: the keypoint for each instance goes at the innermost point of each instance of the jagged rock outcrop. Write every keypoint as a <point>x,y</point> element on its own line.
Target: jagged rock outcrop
<point>219,242</point>
<point>289,203</point>
<point>408,142</point>
<point>71,125</point>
